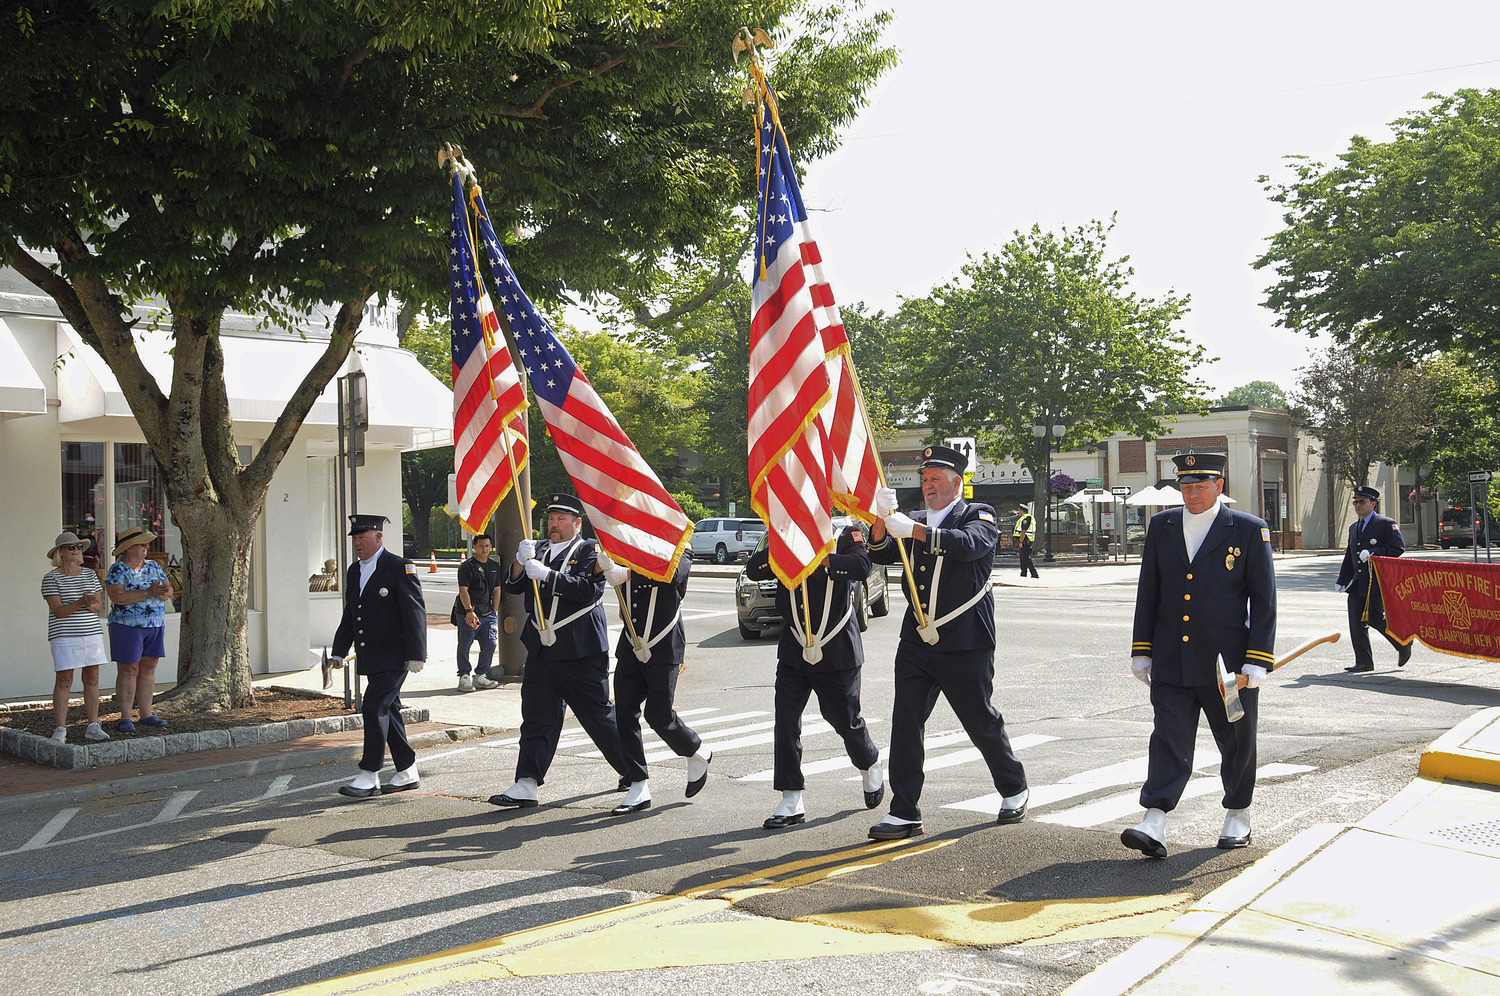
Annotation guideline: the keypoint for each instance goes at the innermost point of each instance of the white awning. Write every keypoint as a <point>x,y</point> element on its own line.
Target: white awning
<point>21,390</point>
<point>409,407</point>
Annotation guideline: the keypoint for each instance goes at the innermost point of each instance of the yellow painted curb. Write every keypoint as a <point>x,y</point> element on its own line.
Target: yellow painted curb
<point>1453,757</point>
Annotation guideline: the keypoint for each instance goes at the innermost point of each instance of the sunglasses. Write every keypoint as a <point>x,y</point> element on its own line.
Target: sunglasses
<point>73,546</point>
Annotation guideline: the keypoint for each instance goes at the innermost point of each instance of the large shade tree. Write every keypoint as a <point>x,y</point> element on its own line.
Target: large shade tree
<point>1397,245</point>
<point>203,156</point>
<point>1048,331</point>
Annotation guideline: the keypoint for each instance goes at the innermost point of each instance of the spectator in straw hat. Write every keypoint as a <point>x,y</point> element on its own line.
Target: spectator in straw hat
<point>139,590</point>
<point>74,633</point>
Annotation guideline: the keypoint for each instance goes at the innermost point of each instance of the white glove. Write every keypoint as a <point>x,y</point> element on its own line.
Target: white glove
<point>1141,668</point>
<point>900,525</point>
<point>885,501</point>
<point>335,662</point>
<point>1341,587</point>
<point>1364,555</point>
<point>415,665</point>
<point>616,575</point>
<point>525,550</point>
<point>536,570</point>
<point>1254,675</point>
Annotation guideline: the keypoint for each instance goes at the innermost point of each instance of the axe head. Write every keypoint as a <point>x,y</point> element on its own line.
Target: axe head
<point>1229,691</point>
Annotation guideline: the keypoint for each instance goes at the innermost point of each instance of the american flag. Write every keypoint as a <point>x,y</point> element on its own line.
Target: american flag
<point>637,521</point>
<point>809,444</point>
<point>489,402</point>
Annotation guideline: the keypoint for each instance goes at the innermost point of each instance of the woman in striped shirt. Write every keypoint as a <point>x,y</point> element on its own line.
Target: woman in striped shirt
<point>74,633</point>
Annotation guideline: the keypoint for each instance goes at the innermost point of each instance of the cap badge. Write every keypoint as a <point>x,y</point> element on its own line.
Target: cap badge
<point>927,452</point>
<point>1190,460</point>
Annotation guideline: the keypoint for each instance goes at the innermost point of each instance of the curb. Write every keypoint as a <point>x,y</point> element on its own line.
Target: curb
<point>73,757</point>
<point>311,757</point>
<point>1150,955</point>
<point>1452,757</point>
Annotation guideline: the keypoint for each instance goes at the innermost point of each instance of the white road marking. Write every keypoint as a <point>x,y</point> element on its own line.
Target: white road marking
<point>835,763</point>
<point>277,787</point>
<point>1126,803</point>
<point>52,829</point>
<point>174,806</point>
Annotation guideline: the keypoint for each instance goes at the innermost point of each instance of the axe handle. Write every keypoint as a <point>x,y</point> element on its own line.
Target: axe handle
<point>1298,652</point>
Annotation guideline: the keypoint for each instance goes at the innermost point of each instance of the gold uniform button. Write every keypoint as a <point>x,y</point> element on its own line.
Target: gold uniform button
<point>1184,639</point>
<point>1190,577</point>
<point>1187,598</point>
<point>1184,618</point>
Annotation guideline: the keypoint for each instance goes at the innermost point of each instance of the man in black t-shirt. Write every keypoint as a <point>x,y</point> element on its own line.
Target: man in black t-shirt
<point>479,604</point>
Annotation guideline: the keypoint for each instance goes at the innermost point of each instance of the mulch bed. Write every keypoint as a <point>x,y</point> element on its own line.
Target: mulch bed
<point>269,707</point>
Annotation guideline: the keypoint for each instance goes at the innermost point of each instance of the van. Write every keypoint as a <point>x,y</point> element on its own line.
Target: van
<point>1456,528</point>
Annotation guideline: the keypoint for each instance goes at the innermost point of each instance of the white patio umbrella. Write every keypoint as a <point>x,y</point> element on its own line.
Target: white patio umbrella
<point>1145,496</point>
<point>1082,498</point>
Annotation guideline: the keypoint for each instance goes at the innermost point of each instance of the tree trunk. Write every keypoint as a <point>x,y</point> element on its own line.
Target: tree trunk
<point>420,528</point>
<point>213,657</point>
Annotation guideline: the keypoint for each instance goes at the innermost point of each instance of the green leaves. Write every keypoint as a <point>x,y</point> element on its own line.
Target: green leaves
<point>1397,247</point>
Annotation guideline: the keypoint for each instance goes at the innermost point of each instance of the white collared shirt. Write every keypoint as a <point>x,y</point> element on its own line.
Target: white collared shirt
<point>936,517</point>
<point>1195,527</point>
<point>367,568</point>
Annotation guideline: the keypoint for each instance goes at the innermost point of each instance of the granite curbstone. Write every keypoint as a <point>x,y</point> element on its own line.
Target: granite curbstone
<point>43,750</point>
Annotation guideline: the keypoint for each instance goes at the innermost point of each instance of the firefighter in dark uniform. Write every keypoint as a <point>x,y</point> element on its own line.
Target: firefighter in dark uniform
<point>567,663</point>
<point>1207,595</point>
<point>385,624</point>
<point>824,661</point>
<point>647,662</point>
<point>952,548</point>
<point>1024,534</point>
<point>1373,535</point>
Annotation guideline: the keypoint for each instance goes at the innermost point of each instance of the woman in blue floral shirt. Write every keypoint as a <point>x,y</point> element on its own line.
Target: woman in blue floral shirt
<point>139,590</point>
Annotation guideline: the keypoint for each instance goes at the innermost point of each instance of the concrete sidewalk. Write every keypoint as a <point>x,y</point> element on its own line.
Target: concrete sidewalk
<point>1406,901</point>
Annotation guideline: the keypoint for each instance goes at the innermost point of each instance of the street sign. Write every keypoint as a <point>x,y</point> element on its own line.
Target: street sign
<point>1095,482</point>
<point>965,445</point>
<point>1479,477</point>
<point>1122,492</point>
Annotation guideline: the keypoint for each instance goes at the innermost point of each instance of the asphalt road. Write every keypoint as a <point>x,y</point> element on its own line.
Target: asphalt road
<point>267,883</point>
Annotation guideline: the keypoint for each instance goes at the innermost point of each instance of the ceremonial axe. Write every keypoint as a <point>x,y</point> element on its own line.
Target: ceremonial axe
<point>1230,691</point>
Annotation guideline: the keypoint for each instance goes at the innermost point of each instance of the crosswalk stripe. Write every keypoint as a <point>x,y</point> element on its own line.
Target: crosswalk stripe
<point>928,764</point>
<point>277,787</point>
<point>52,829</point>
<point>1126,803</point>
<point>174,806</point>
<point>710,738</point>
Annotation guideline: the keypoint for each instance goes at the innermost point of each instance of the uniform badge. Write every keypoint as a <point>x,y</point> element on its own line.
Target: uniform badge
<point>856,536</point>
<point>1372,541</point>
<point>1190,460</point>
<point>1234,551</point>
<point>985,516</point>
<point>1265,534</point>
<point>411,568</point>
<point>384,592</point>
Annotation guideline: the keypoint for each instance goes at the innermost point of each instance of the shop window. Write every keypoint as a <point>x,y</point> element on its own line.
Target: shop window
<point>83,498</point>
<point>323,536</point>
<point>141,500</point>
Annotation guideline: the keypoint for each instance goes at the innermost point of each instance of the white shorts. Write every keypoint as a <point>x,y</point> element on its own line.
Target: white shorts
<point>72,652</point>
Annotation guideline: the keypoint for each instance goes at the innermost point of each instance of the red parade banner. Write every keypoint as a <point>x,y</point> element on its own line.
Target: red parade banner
<point>1452,607</point>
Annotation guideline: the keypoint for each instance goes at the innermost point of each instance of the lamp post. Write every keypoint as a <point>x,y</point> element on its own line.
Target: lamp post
<point>1042,431</point>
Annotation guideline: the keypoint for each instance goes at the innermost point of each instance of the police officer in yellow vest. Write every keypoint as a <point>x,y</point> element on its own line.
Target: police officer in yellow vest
<point>1024,534</point>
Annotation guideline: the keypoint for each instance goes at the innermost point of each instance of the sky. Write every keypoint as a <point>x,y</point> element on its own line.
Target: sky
<point>1003,115</point>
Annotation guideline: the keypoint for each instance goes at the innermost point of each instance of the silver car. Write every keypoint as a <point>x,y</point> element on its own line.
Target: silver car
<point>725,540</point>
<point>755,602</point>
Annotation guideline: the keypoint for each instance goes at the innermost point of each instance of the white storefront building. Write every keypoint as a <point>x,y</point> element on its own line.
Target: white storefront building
<point>70,448</point>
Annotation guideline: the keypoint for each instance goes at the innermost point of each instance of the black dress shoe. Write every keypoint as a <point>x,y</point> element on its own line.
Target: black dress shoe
<point>1403,655</point>
<point>355,793</point>
<point>696,785</point>
<point>507,800</point>
<point>782,822</point>
<point>623,809</point>
<point>1231,843</point>
<point>1147,845</point>
<point>393,787</point>
<point>873,799</point>
<point>1360,668</point>
<point>1009,816</point>
<point>624,785</point>
<point>895,831</point>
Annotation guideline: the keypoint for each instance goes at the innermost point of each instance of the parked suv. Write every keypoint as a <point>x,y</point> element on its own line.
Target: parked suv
<point>724,540</point>
<point>755,602</point>
<point>1457,528</point>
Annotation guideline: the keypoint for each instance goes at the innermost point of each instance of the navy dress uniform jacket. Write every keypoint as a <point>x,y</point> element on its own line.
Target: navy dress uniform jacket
<point>671,648</point>
<point>844,568</point>
<point>966,545</point>
<point>386,624</point>
<point>574,586</point>
<point>1382,537</point>
<point>1223,602</point>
